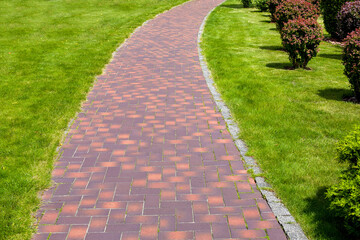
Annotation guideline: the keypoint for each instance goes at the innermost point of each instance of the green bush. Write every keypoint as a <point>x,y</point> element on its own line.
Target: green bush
<point>351,61</point>
<point>349,149</point>
<point>345,196</point>
<point>330,9</point>
<point>262,5</point>
<point>345,200</point>
<point>246,3</point>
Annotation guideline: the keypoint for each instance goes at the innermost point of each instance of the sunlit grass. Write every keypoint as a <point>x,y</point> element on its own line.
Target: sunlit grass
<point>50,53</point>
<point>290,119</point>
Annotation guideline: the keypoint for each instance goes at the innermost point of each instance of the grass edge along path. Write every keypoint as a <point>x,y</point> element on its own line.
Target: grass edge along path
<point>290,120</point>
<point>51,53</point>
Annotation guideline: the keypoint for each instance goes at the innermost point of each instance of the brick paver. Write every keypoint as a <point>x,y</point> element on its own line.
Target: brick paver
<point>149,156</point>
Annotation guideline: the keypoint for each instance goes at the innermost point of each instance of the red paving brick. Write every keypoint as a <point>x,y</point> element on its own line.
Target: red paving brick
<point>149,156</point>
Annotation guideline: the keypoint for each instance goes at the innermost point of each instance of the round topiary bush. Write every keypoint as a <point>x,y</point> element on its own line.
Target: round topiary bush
<point>345,196</point>
<point>262,5</point>
<point>330,9</point>
<point>348,18</point>
<point>301,39</point>
<point>315,2</point>
<point>246,3</point>
<point>345,201</point>
<point>293,9</point>
<point>349,149</point>
<point>351,61</point>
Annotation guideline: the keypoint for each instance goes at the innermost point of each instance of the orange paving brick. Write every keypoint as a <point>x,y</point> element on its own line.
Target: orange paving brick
<point>77,232</point>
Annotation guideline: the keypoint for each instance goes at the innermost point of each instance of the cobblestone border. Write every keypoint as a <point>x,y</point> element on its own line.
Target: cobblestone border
<point>287,221</point>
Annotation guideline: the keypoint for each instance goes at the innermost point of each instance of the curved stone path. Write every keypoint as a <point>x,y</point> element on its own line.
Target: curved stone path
<point>149,156</point>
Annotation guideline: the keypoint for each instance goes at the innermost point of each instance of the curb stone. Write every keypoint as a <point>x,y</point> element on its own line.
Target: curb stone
<point>287,221</point>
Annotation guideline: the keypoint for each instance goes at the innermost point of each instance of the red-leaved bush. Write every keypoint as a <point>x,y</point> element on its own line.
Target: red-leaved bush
<point>301,39</point>
<point>316,3</point>
<point>348,18</point>
<point>329,10</point>
<point>272,7</point>
<point>293,9</point>
<point>351,61</point>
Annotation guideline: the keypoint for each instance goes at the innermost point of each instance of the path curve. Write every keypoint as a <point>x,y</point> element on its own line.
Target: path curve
<point>149,156</point>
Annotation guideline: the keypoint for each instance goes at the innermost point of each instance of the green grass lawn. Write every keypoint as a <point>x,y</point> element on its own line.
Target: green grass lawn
<point>50,53</point>
<point>290,119</point>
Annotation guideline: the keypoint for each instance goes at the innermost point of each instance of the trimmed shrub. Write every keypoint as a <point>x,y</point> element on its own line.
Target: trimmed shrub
<point>345,196</point>
<point>246,3</point>
<point>272,4</point>
<point>293,9</point>
<point>345,200</point>
<point>301,39</point>
<point>316,3</point>
<point>351,61</point>
<point>349,149</point>
<point>348,19</point>
<point>330,9</point>
<point>262,5</point>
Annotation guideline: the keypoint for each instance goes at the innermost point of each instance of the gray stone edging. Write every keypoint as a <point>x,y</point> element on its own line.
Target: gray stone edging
<point>284,217</point>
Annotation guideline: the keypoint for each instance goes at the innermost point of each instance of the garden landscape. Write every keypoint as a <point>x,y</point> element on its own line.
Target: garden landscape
<point>101,141</point>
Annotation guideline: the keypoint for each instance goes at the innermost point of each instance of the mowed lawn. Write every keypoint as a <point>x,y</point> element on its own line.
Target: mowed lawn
<point>290,119</point>
<point>51,51</point>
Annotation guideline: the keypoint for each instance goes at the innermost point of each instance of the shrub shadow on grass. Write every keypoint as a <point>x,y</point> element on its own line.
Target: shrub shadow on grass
<point>327,225</point>
<point>331,56</point>
<point>273,48</point>
<point>232,6</point>
<point>284,66</point>
<point>273,29</point>
<point>335,93</point>
<point>265,21</point>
